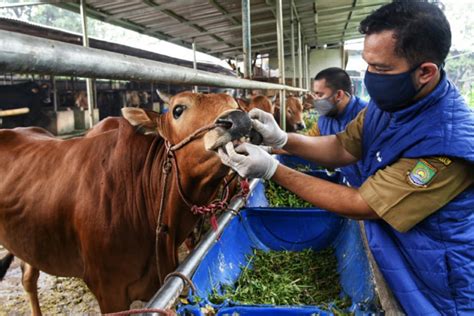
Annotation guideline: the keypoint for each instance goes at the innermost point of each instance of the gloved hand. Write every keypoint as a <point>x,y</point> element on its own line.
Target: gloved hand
<point>250,161</point>
<point>265,124</point>
<point>268,149</point>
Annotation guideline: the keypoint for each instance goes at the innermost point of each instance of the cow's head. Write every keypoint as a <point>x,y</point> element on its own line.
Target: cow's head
<point>190,111</point>
<point>308,100</point>
<point>294,114</point>
<point>43,91</point>
<point>256,102</point>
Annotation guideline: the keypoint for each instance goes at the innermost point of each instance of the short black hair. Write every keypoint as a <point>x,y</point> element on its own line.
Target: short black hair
<point>422,31</point>
<point>336,79</point>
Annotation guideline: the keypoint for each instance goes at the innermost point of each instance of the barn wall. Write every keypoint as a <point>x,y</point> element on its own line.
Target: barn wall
<point>318,60</point>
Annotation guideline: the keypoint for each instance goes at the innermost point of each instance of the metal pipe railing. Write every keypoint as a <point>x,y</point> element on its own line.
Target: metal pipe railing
<point>300,57</point>
<point>28,54</point>
<point>169,292</point>
<point>89,84</point>
<point>247,39</point>
<point>281,61</point>
<point>293,58</point>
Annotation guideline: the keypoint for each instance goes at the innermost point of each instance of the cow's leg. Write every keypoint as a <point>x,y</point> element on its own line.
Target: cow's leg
<point>29,279</point>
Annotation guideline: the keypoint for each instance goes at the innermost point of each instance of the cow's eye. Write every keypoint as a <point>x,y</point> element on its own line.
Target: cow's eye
<point>178,110</point>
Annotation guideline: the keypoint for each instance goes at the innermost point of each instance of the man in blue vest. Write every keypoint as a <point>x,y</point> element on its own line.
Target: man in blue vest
<point>332,88</point>
<point>416,143</point>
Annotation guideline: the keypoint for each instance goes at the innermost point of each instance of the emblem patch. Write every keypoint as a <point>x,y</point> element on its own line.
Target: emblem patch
<point>422,174</point>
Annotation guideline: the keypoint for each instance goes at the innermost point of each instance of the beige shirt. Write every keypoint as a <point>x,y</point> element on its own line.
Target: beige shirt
<point>409,190</point>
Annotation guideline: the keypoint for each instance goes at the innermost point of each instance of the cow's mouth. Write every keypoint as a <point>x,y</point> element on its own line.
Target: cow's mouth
<point>234,126</point>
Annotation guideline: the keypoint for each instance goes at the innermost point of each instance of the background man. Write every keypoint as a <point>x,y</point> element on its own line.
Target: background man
<point>332,90</point>
<point>416,143</point>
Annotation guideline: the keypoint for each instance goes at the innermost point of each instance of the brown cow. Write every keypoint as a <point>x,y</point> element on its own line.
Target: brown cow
<point>294,114</point>
<point>80,100</point>
<point>308,100</point>
<point>257,101</point>
<point>88,207</point>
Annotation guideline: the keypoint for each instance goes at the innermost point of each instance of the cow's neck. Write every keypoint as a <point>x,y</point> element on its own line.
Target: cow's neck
<point>203,179</point>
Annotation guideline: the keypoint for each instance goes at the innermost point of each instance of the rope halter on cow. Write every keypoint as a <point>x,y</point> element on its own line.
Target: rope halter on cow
<point>211,208</point>
<point>171,161</point>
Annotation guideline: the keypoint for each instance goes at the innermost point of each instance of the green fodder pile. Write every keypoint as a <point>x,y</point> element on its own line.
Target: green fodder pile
<point>278,196</point>
<point>287,278</point>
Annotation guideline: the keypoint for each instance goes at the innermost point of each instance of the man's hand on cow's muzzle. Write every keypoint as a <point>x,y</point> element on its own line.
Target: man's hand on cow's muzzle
<point>248,160</point>
<point>265,124</point>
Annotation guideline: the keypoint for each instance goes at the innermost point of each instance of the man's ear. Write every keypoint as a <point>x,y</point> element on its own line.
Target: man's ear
<point>426,72</point>
<point>148,122</point>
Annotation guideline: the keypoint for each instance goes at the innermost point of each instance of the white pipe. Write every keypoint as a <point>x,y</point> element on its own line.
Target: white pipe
<point>89,84</point>
<point>281,61</point>
<point>24,53</point>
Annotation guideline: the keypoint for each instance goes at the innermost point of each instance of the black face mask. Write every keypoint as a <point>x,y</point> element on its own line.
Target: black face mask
<point>391,92</point>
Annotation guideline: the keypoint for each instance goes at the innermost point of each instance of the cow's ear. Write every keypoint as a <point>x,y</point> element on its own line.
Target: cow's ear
<point>273,99</point>
<point>243,104</point>
<point>146,121</point>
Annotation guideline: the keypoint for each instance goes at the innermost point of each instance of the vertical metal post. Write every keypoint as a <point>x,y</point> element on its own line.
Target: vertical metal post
<point>89,84</point>
<point>152,91</point>
<point>307,59</point>
<point>55,93</point>
<point>281,61</point>
<point>300,57</point>
<point>236,60</point>
<point>246,39</point>
<point>194,63</point>
<point>293,59</point>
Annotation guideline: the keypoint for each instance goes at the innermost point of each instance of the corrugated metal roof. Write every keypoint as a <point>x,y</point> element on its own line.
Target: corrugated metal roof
<point>216,25</point>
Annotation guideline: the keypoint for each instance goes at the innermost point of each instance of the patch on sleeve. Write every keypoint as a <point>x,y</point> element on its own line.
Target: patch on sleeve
<point>422,174</point>
<point>445,160</point>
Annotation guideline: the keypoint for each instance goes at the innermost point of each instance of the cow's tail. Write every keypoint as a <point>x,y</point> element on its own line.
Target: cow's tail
<point>5,263</point>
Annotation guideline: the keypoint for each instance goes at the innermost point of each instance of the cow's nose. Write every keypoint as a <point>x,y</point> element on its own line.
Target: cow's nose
<point>300,126</point>
<point>236,122</point>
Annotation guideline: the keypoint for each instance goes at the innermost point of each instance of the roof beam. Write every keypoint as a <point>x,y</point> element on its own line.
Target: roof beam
<point>224,50</point>
<point>224,12</point>
<point>348,18</point>
<point>181,19</point>
<point>344,9</point>
<point>145,10</point>
<point>206,19</point>
<point>101,16</point>
<point>225,30</point>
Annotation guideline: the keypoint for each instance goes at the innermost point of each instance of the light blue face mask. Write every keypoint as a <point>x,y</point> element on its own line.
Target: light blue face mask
<point>325,107</point>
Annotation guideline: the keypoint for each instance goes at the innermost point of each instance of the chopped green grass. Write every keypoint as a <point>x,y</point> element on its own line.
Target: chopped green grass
<point>278,196</point>
<point>286,278</point>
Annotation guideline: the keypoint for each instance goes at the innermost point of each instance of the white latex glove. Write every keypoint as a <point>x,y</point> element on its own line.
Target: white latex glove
<point>265,124</point>
<point>250,161</point>
<point>268,149</point>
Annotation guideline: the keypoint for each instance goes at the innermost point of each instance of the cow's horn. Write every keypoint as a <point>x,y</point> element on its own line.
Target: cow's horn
<point>164,96</point>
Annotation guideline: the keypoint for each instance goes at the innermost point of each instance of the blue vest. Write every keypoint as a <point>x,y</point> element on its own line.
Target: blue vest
<point>430,268</point>
<point>333,125</point>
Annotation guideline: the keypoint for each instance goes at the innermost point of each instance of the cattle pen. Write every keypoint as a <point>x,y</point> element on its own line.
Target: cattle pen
<point>22,53</point>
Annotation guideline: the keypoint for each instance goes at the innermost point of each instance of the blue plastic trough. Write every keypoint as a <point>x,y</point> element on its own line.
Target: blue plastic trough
<point>261,227</point>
